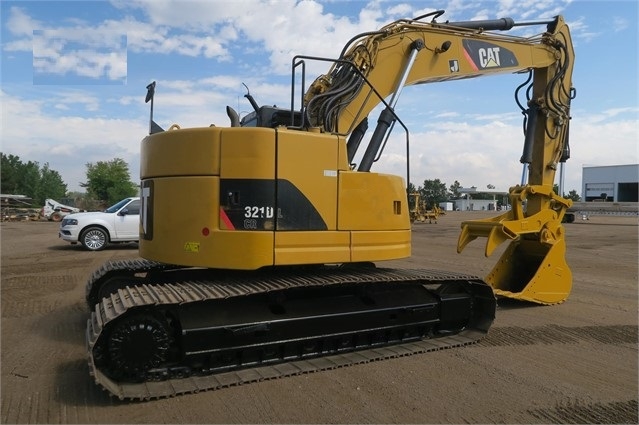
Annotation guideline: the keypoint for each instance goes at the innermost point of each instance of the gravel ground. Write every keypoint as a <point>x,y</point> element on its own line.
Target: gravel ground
<point>570,363</point>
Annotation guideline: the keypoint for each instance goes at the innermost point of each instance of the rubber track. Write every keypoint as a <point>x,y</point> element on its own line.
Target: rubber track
<point>119,303</point>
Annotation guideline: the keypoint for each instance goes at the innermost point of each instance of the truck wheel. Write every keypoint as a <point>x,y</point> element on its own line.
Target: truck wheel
<point>94,239</point>
<point>57,217</point>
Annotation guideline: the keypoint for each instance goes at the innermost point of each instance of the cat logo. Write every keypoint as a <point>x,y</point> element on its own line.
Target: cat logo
<point>482,55</point>
<point>489,58</point>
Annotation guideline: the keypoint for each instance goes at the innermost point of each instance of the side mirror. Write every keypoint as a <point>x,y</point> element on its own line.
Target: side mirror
<point>123,211</point>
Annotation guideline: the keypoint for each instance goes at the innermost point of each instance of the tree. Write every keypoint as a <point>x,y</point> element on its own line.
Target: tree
<point>454,189</point>
<point>9,170</point>
<point>19,178</point>
<point>50,185</point>
<point>109,181</point>
<point>434,192</point>
<point>573,195</point>
<point>29,180</point>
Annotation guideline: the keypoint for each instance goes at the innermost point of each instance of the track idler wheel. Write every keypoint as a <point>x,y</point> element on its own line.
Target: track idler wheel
<point>137,345</point>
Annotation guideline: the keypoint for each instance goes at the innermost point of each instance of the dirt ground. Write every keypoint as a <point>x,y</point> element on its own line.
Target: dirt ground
<point>570,363</point>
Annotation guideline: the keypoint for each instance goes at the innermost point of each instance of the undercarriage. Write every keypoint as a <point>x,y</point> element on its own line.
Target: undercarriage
<point>209,329</point>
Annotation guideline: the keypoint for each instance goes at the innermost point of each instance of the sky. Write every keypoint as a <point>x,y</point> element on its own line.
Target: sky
<point>74,76</point>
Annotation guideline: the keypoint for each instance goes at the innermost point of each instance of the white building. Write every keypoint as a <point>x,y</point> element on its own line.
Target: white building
<point>475,205</point>
<point>470,204</point>
<point>619,183</point>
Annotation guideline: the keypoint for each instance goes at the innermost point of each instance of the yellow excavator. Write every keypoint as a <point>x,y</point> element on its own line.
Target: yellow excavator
<point>256,259</point>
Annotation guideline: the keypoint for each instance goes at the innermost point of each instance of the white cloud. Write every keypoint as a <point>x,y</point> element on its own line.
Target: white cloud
<point>65,99</point>
<point>279,28</point>
<point>619,23</point>
<point>319,32</point>
<point>67,143</point>
<point>474,152</point>
<point>195,14</point>
<point>596,141</point>
<point>192,45</point>
<point>82,62</point>
<point>613,112</point>
<point>400,10</point>
<point>79,48</point>
<point>488,153</point>
<point>475,149</point>
<point>20,24</point>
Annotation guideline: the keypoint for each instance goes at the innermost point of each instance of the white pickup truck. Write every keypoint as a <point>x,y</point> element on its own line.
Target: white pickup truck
<point>95,230</point>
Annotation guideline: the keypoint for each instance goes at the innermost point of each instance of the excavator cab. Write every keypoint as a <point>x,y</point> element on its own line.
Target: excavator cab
<point>263,116</point>
<point>271,117</point>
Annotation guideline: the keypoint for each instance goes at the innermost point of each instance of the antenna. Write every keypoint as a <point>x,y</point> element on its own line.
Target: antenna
<point>150,94</point>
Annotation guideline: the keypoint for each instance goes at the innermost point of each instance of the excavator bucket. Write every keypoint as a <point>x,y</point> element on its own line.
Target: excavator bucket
<point>533,267</point>
<point>532,271</point>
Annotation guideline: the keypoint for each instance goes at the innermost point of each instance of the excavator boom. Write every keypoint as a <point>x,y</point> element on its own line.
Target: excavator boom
<point>408,52</point>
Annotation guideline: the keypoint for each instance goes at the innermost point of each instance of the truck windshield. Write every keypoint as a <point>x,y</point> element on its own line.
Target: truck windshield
<point>114,208</point>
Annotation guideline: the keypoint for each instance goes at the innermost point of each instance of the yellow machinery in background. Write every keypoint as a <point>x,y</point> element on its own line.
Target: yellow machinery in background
<point>419,210</point>
<point>258,240</point>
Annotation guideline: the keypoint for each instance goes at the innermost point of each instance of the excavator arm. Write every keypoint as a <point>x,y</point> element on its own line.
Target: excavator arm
<point>377,65</point>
